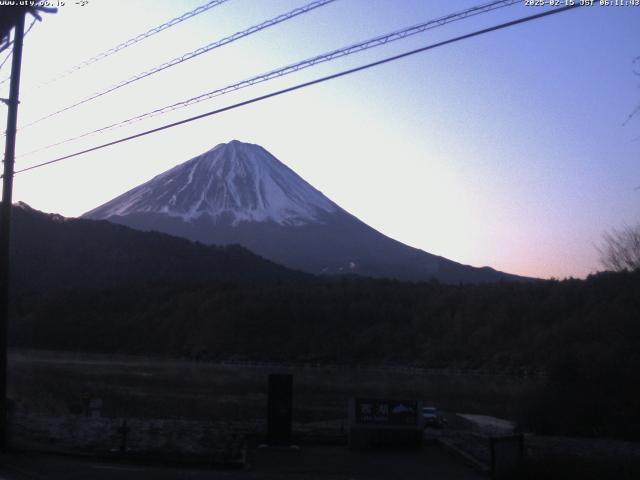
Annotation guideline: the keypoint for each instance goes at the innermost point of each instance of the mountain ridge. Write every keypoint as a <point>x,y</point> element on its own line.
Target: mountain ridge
<point>52,251</point>
<point>251,184</point>
<point>239,193</point>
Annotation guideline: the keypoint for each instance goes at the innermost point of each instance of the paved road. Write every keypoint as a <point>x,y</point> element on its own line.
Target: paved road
<point>45,467</point>
<point>308,463</point>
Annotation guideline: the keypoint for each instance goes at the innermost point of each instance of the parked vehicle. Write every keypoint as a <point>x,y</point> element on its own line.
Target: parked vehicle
<point>432,418</point>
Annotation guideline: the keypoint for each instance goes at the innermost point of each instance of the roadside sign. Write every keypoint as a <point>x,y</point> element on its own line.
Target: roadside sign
<point>386,412</point>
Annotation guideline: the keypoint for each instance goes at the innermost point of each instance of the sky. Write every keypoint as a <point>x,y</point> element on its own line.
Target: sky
<point>508,150</point>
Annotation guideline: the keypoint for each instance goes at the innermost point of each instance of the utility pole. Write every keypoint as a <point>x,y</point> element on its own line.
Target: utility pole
<point>5,216</point>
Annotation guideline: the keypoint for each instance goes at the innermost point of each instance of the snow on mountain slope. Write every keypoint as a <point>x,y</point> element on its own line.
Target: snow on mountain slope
<point>240,193</point>
<point>237,180</point>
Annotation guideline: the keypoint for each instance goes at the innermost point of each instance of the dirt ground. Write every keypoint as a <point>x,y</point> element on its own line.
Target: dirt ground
<point>67,383</point>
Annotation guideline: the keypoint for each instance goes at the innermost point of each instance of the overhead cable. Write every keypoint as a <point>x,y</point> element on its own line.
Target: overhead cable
<point>189,55</point>
<point>138,38</point>
<point>33,22</point>
<point>307,84</point>
<point>341,52</point>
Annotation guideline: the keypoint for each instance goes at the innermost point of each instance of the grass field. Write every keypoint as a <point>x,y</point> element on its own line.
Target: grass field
<point>62,383</point>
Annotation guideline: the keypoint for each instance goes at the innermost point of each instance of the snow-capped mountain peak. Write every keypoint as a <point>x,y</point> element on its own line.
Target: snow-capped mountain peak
<point>238,193</point>
<point>236,181</point>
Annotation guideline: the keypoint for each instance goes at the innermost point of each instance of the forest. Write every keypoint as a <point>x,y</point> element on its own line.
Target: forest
<point>582,335</point>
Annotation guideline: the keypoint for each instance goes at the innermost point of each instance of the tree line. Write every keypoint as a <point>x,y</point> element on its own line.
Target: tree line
<point>583,333</point>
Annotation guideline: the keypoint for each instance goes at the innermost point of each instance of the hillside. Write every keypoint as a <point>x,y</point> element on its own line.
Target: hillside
<point>499,326</point>
<point>581,334</point>
<point>238,193</point>
<point>51,251</point>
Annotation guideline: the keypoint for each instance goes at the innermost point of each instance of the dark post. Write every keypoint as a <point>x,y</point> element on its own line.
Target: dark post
<point>280,409</point>
<point>124,431</point>
<point>5,218</point>
<point>507,455</point>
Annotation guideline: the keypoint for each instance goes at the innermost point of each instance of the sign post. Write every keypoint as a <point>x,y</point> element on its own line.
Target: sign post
<point>280,409</point>
<point>385,423</point>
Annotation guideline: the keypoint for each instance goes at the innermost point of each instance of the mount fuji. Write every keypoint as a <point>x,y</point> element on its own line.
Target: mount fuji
<point>240,193</point>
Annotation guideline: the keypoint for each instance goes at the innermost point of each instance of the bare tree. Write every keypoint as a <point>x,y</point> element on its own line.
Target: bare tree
<point>636,71</point>
<point>620,249</point>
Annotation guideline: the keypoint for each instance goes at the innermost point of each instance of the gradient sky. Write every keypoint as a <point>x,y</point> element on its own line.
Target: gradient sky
<point>506,150</point>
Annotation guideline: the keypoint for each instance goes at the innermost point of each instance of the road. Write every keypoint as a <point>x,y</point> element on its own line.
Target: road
<point>307,463</point>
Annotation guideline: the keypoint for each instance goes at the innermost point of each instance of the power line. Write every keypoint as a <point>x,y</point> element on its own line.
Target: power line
<point>332,55</point>
<point>5,60</point>
<point>138,38</point>
<point>127,43</point>
<point>307,84</point>
<point>189,55</point>
<point>6,45</point>
<point>328,56</point>
<point>33,22</point>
